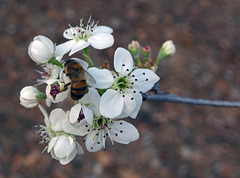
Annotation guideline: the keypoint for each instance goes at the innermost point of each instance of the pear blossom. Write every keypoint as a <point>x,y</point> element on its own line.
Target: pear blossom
<point>80,37</point>
<point>118,131</point>
<point>100,128</point>
<point>30,96</point>
<point>55,91</point>
<point>123,95</point>
<point>61,145</point>
<point>82,113</point>
<point>50,71</point>
<point>42,49</point>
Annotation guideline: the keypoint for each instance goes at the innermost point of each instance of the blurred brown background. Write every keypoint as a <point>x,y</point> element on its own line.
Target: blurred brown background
<point>176,140</point>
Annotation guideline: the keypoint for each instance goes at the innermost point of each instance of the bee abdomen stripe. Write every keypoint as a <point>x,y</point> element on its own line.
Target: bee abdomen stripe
<point>79,89</point>
<point>76,96</point>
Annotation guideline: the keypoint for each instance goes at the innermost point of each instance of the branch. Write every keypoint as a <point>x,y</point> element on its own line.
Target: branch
<point>162,96</point>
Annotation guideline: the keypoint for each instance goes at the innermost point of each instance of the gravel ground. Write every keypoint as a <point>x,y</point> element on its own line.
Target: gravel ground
<point>176,140</point>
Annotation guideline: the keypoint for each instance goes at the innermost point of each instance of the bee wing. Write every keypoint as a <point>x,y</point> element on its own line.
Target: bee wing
<point>89,77</point>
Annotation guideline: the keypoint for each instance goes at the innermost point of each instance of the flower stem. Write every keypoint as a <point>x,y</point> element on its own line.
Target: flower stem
<point>87,56</point>
<point>54,61</point>
<point>138,61</point>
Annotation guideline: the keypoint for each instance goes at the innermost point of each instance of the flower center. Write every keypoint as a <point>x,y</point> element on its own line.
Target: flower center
<point>122,82</point>
<point>55,89</point>
<point>102,123</point>
<point>82,32</point>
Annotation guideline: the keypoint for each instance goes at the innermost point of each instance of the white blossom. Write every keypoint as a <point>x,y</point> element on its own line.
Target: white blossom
<point>82,113</point>
<point>103,128</point>
<point>123,95</point>
<point>41,49</point>
<point>30,96</point>
<point>50,71</point>
<point>80,37</point>
<point>56,91</point>
<point>61,145</point>
<point>100,127</point>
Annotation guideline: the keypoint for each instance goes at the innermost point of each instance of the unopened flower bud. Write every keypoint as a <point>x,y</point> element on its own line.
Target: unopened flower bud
<point>146,50</point>
<point>41,49</point>
<point>30,96</point>
<point>134,48</point>
<point>168,48</point>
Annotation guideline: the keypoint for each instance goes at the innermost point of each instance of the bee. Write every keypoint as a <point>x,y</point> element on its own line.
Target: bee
<point>78,75</point>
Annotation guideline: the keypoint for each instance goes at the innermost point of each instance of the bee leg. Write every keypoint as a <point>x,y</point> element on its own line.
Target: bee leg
<point>65,87</point>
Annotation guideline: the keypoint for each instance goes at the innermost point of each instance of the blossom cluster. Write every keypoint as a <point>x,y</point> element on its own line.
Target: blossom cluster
<point>102,97</point>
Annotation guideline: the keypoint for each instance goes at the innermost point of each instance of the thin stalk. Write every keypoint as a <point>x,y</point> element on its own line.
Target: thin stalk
<point>168,97</point>
<point>89,60</point>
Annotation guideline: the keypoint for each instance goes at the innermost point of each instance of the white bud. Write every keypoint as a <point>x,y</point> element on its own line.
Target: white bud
<point>41,49</point>
<point>169,48</point>
<point>28,96</point>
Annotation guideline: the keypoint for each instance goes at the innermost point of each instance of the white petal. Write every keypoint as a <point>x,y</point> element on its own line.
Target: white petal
<point>111,104</point>
<point>61,96</point>
<point>46,41</point>
<point>123,62</point>
<point>124,132</point>
<point>28,103</point>
<point>81,44</point>
<point>88,114</point>
<point>74,113</point>
<point>46,119</point>
<point>94,142</point>
<point>145,79</point>
<point>66,160</point>
<point>61,147</point>
<point>102,29</point>
<point>56,118</point>
<point>79,129</point>
<point>138,98</point>
<point>129,105</point>
<point>68,34</point>
<point>72,146</point>
<point>103,78</point>
<point>51,144</point>
<point>92,99</point>
<point>64,47</point>
<point>101,40</point>
<point>39,52</point>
